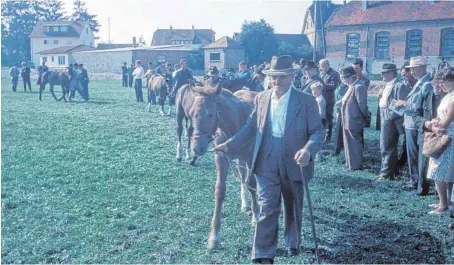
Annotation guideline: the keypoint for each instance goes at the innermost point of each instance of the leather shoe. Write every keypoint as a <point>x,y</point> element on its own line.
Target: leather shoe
<point>263,261</point>
<point>291,252</point>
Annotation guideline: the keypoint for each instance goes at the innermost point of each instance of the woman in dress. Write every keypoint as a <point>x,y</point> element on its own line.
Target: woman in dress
<point>441,170</point>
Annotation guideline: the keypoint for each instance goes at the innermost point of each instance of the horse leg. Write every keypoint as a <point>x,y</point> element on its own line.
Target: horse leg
<point>241,168</point>
<point>219,195</point>
<point>179,133</point>
<point>161,104</point>
<point>188,150</point>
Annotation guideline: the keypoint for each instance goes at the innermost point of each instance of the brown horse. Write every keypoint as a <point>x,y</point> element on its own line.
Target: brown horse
<point>54,78</point>
<point>217,114</point>
<point>158,84</point>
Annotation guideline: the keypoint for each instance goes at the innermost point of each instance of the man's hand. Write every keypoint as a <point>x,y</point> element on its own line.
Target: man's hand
<point>400,104</point>
<point>438,129</point>
<point>221,149</point>
<point>302,157</point>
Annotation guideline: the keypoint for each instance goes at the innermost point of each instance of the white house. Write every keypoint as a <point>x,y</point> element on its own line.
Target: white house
<point>62,57</point>
<point>54,34</point>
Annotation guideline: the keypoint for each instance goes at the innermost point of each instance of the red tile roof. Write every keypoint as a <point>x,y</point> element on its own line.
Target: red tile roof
<point>74,31</point>
<point>224,42</point>
<point>197,36</point>
<point>66,49</point>
<point>379,12</point>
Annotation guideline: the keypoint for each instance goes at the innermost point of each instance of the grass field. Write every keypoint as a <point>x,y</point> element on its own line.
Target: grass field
<point>97,182</point>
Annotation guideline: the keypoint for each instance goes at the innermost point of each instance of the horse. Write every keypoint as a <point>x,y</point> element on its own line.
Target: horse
<point>54,78</point>
<point>217,115</point>
<point>255,84</point>
<point>158,84</point>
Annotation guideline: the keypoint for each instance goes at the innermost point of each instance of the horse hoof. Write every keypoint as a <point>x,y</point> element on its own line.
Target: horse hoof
<point>192,163</point>
<point>179,159</point>
<point>214,243</point>
<point>245,209</point>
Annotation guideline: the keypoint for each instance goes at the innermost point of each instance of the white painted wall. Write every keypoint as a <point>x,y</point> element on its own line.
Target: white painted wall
<point>219,64</point>
<point>37,44</point>
<point>54,63</point>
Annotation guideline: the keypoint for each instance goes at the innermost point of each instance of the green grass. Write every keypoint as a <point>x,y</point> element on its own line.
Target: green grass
<point>97,182</point>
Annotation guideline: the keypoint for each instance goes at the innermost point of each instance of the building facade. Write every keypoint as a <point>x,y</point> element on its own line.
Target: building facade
<point>54,34</point>
<point>62,57</point>
<point>224,53</point>
<point>173,36</point>
<point>390,32</point>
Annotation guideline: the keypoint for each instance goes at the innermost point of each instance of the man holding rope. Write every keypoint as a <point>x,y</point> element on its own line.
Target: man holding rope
<point>288,134</point>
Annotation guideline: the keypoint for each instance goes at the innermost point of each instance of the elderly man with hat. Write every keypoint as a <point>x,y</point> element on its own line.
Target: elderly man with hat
<point>288,134</point>
<point>415,104</point>
<point>312,77</point>
<point>354,113</point>
<point>213,76</point>
<point>391,122</point>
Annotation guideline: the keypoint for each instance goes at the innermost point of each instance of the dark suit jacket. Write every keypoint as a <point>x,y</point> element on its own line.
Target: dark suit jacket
<point>331,80</point>
<point>306,87</point>
<point>399,91</point>
<point>354,108</point>
<point>303,129</point>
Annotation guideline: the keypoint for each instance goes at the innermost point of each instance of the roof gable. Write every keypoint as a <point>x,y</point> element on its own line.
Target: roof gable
<point>224,43</point>
<point>379,12</point>
<point>75,29</point>
<point>196,36</point>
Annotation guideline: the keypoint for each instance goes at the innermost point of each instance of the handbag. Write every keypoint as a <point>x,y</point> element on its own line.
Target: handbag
<point>435,144</point>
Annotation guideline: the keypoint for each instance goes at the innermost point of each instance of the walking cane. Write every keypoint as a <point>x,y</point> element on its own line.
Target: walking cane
<point>309,203</point>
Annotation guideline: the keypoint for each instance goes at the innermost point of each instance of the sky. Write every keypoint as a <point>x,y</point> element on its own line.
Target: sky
<point>129,18</point>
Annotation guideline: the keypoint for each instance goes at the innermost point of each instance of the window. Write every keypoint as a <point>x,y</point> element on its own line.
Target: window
<point>215,56</point>
<point>382,45</point>
<point>414,43</point>
<point>352,45</point>
<point>61,60</point>
<point>55,42</point>
<point>46,28</point>
<point>64,29</point>
<point>70,42</point>
<point>52,59</point>
<point>43,59</point>
<point>447,42</point>
<point>56,29</point>
<point>161,59</point>
<point>86,31</point>
<point>46,41</point>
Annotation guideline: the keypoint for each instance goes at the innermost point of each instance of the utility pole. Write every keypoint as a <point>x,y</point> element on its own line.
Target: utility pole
<point>314,52</point>
<point>108,27</point>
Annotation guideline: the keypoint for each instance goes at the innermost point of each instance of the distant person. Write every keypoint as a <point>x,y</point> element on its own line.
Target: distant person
<point>299,75</point>
<point>331,80</point>
<point>317,89</point>
<point>25,74</point>
<point>84,80</point>
<point>443,65</point>
<point>124,75</point>
<point>243,72</point>
<point>176,68</point>
<point>14,73</point>
<point>339,140</point>
<point>150,72</point>
<point>312,77</point>
<point>182,77</point>
<point>130,76</point>
<point>354,113</point>
<point>358,65</point>
<point>138,75</point>
<point>41,70</point>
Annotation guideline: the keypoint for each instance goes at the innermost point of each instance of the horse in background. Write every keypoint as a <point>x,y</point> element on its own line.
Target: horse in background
<point>158,85</point>
<point>54,78</point>
<point>217,115</point>
<point>255,84</point>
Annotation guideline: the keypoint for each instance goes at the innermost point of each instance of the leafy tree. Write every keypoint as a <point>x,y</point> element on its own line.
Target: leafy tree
<point>297,53</point>
<point>258,40</point>
<point>80,13</point>
<point>49,10</point>
<point>196,59</point>
<point>142,42</point>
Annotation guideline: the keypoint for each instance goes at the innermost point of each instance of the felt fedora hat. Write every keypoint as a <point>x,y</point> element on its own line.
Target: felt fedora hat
<point>347,71</point>
<point>388,67</point>
<point>281,65</point>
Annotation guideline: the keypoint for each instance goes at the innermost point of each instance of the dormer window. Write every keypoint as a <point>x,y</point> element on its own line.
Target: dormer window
<point>46,28</point>
<point>56,29</point>
<point>64,29</point>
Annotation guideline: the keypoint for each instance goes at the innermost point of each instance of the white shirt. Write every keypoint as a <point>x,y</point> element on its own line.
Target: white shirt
<point>321,106</point>
<point>279,112</point>
<point>138,72</point>
<point>386,93</point>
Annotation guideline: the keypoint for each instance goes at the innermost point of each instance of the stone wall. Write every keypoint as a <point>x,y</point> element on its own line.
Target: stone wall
<point>103,62</point>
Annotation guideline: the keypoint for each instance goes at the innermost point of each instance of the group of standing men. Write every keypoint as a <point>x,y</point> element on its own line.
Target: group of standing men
<point>24,73</point>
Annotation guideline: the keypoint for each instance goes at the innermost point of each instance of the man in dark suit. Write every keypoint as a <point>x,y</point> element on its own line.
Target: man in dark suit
<point>392,124</point>
<point>25,74</point>
<point>354,113</point>
<point>331,80</point>
<point>130,76</point>
<point>124,75</point>
<point>84,80</point>
<point>312,77</point>
<point>288,133</point>
<point>358,65</point>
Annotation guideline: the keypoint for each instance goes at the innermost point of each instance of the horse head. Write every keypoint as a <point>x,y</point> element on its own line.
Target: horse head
<point>205,115</point>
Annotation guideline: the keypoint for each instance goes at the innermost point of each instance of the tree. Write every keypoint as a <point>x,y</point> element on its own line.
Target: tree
<point>80,13</point>
<point>297,53</point>
<point>196,59</point>
<point>142,42</point>
<point>49,10</point>
<point>258,41</point>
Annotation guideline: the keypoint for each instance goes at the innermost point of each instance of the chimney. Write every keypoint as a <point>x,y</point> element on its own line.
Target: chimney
<point>192,27</point>
<point>171,27</point>
<point>134,42</point>
<point>365,4</point>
